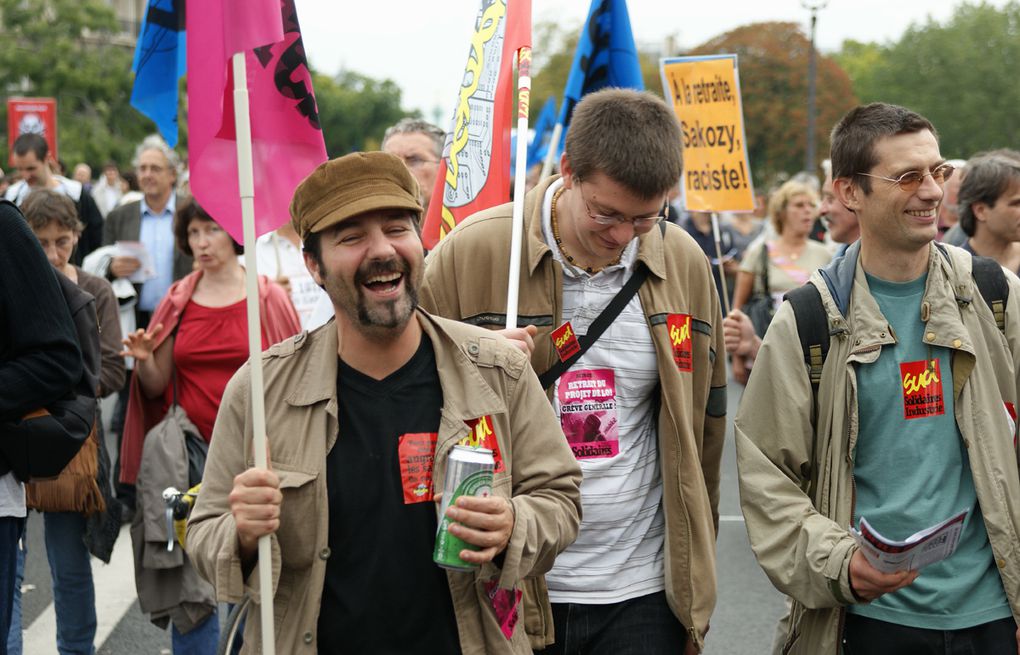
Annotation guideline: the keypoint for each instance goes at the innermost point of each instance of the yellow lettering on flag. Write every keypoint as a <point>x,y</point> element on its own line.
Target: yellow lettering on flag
<point>705,92</point>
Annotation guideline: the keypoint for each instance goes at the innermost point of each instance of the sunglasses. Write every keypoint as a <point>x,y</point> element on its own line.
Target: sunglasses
<point>912,180</point>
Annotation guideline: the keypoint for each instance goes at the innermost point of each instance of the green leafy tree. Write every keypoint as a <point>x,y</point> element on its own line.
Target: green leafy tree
<point>773,63</point>
<point>355,110</point>
<point>961,75</point>
<point>71,50</point>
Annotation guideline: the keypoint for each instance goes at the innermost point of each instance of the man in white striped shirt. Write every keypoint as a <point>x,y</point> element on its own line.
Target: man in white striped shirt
<point>643,408</point>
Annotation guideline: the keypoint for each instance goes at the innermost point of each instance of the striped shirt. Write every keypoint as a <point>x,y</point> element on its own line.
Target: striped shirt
<point>605,404</point>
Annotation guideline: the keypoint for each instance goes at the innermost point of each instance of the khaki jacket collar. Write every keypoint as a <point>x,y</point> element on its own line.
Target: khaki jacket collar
<point>650,246</point>
<point>466,395</point>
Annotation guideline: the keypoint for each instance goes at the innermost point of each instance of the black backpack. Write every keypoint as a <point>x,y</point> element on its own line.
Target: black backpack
<point>40,445</point>
<point>813,323</point>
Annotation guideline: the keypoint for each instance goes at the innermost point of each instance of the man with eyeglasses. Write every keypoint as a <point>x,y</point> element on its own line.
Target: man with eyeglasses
<point>420,144</point>
<point>643,408</point>
<point>913,421</point>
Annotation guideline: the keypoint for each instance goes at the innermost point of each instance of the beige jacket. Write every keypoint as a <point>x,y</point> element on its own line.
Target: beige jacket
<point>480,376</point>
<point>796,469</point>
<point>465,279</point>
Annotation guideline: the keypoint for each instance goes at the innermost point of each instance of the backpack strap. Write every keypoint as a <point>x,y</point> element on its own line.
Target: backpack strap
<point>991,282</point>
<point>813,329</point>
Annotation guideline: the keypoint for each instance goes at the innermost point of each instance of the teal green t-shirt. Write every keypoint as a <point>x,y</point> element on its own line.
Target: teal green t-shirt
<point>912,471</point>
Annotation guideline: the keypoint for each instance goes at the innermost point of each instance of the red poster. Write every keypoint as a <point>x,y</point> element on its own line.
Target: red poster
<point>416,451</point>
<point>32,115</point>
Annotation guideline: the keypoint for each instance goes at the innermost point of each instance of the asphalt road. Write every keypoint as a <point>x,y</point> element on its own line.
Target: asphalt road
<point>743,623</point>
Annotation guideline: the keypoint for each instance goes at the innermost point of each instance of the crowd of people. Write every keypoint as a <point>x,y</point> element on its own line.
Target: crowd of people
<point>604,407</point>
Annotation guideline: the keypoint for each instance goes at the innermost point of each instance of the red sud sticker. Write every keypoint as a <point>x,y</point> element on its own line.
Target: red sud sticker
<point>680,340</point>
<point>416,452</point>
<point>482,435</point>
<point>565,341</point>
<point>922,389</point>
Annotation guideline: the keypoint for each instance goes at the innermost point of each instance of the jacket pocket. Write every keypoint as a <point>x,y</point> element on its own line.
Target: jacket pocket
<point>537,611</point>
<point>298,518</point>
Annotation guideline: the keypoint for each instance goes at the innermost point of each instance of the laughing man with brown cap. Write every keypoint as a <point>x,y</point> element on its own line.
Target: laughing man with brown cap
<point>361,416</point>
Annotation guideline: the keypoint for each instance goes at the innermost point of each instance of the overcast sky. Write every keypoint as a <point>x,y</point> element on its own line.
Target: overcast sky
<point>422,45</point>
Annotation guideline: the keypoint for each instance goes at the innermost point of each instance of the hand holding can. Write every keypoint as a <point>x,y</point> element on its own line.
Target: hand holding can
<point>468,474</point>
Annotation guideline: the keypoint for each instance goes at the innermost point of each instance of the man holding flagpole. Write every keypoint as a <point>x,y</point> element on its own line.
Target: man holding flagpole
<point>628,342</point>
<point>361,416</point>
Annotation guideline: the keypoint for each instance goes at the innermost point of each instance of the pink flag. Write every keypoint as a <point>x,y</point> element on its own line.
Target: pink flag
<point>286,136</point>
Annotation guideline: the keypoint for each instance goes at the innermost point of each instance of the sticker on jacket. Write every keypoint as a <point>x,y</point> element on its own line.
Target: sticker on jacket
<point>680,340</point>
<point>587,403</point>
<point>416,452</point>
<point>504,604</point>
<point>482,435</point>
<point>922,389</point>
<point>565,341</point>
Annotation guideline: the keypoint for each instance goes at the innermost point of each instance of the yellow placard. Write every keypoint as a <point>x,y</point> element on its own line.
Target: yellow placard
<point>705,92</point>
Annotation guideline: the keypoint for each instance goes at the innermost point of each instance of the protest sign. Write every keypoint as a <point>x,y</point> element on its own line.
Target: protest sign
<point>705,92</point>
<point>32,116</point>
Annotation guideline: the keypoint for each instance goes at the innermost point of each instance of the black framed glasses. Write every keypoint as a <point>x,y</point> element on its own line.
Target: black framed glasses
<point>912,180</point>
<point>640,223</point>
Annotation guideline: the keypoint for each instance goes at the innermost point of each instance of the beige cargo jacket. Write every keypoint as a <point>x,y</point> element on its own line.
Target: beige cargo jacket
<point>481,375</point>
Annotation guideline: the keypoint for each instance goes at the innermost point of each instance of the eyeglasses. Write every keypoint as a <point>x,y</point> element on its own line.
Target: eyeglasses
<point>911,180</point>
<point>414,161</point>
<point>639,223</point>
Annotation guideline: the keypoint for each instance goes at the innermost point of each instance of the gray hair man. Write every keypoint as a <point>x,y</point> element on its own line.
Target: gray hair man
<point>990,207</point>
<point>420,145</point>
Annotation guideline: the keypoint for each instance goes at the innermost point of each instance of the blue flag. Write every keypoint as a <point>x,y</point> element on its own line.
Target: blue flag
<point>159,64</point>
<point>539,145</point>
<point>605,56</point>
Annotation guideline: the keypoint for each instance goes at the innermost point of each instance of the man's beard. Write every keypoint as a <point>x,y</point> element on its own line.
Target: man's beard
<point>377,318</point>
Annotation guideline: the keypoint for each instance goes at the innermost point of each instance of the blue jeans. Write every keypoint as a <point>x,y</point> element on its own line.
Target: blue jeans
<point>201,640</point>
<point>74,596</point>
<point>639,626</point>
<point>11,529</point>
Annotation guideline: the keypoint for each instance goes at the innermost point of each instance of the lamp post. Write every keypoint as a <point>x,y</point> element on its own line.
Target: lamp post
<point>809,155</point>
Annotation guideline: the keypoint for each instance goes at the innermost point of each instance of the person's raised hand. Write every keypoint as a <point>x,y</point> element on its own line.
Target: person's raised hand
<point>124,266</point>
<point>140,343</point>
<point>523,338</point>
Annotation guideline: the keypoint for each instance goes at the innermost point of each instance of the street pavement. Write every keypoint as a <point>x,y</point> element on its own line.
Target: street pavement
<point>743,623</point>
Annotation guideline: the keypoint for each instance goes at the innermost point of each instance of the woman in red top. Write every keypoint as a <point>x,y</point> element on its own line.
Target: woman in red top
<point>199,330</point>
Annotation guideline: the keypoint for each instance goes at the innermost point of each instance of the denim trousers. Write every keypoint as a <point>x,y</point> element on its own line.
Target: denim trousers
<point>11,529</point>
<point>203,639</point>
<point>74,596</point>
<point>638,626</point>
<point>874,637</point>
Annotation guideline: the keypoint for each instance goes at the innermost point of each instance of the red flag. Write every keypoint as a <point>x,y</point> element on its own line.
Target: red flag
<point>474,173</point>
<point>287,139</point>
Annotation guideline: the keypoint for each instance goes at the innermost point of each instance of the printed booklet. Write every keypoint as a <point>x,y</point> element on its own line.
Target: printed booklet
<point>920,549</point>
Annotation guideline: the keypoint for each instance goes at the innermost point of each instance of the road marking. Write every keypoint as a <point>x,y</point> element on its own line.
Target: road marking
<point>115,594</point>
<point>730,518</point>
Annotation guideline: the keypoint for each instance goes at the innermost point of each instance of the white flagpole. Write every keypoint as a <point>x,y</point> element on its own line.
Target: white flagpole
<point>520,175</point>
<point>719,263</point>
<point>550,155</point>
<point>246,183</point>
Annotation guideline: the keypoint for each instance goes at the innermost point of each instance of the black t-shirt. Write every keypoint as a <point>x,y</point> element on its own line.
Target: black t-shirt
<point>383,593</point>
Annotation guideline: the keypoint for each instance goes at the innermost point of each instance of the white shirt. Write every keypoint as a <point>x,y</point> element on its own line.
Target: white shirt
<point>605,404</point>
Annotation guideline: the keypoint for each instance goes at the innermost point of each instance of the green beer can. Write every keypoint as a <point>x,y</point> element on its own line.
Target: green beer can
<point>468,473</point>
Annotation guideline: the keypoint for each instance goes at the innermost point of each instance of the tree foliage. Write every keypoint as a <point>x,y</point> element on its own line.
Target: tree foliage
<point>355,110</point>
<point>65,49</point>
<point>773,64</point>
<point>961,75</point>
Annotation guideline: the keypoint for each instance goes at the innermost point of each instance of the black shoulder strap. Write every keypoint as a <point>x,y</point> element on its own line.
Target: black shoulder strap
<point>994,288</point>
<point>602,321</point>
<point>598,326</point>
<point>813,329</point>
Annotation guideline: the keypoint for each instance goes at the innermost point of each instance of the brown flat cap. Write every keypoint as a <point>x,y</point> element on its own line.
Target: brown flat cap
<point>350,185</point>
